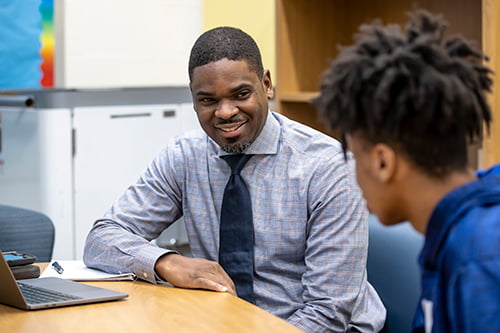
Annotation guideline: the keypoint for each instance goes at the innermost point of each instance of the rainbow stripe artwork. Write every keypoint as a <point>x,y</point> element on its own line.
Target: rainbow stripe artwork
<point>47,39</point>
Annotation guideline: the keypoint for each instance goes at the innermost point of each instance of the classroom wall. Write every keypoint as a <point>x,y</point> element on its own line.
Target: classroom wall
<point>256,17</point>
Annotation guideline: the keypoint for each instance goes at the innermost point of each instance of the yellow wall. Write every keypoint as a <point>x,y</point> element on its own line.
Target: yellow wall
<point>256,17</point>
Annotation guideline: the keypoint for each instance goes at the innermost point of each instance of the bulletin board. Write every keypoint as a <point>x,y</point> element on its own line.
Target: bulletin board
<point>27,44</point>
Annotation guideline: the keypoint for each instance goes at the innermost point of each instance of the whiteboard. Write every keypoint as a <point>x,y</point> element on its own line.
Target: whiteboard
<point>125,43</point>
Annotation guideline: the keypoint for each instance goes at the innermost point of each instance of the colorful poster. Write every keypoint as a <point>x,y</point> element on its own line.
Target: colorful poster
<point>48,43</point>
<point>26,44</point>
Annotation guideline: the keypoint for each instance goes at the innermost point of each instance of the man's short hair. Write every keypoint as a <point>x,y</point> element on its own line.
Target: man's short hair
<point>225,42</point>
<point>421,95</point>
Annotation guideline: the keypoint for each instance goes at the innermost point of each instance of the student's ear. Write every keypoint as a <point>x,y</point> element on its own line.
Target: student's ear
<point>384,162</point>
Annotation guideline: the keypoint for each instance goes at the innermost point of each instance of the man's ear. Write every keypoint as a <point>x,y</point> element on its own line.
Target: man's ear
<point>268,84</point>
<point>384,162</point>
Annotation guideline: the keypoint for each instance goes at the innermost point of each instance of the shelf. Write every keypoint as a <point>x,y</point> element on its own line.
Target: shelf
<point>308,34</point>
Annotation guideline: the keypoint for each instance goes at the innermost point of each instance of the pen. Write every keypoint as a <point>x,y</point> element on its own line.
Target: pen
<point>57,267</point>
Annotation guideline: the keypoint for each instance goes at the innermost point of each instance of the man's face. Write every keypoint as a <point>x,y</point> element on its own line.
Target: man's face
<point>374,165</point>
<point>231,102</point>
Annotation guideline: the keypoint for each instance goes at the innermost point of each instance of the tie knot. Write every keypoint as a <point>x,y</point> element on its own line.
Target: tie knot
<point>236,162</point>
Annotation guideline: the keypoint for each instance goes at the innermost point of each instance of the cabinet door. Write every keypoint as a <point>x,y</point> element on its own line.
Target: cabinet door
<point>113,146</point>
<point>35,167</point>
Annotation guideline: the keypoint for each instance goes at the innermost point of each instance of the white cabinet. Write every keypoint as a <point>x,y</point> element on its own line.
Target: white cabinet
<point>113,145</point>
<point>72,161</point>
<point>35,167</point>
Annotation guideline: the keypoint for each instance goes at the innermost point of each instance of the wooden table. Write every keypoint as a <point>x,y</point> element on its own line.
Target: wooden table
<point>149,308</point>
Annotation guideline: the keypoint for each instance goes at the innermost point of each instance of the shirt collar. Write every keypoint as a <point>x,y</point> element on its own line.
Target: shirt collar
<point>266,142</point>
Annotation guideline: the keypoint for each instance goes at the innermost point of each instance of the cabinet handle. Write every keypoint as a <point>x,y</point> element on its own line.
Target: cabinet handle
<point>130,115</point>
<point>168,113</point>
<point>73,142</point>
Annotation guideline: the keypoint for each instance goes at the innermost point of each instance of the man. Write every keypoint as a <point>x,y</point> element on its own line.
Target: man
<point>309,220</point>
<point>408,106</point>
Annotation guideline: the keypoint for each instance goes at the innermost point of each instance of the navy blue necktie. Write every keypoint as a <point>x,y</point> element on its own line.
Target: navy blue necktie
<point>236,230</point>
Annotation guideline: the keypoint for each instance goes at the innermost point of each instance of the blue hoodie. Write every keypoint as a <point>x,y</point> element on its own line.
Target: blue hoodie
<point>460,260</point>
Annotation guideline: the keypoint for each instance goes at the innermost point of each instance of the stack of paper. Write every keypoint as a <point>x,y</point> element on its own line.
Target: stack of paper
<point>77,271</point>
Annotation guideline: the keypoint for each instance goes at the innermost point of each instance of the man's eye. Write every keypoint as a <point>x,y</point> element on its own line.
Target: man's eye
<point>244,94</point>
<point>206,100</point>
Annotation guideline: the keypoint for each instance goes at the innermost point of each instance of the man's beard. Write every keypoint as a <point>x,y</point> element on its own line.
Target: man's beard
<point>237,148</point>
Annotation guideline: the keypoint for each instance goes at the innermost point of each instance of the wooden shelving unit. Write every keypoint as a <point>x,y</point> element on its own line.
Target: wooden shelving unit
<point>310,31</point>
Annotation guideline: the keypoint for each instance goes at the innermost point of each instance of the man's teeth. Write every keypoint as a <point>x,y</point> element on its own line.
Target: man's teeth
<point>230,129</point>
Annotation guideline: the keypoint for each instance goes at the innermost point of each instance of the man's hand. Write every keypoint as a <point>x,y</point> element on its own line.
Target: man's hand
<point>194,273</point>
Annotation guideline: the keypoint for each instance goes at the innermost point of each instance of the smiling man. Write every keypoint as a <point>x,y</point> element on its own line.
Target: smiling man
<point>304,232</point>
<point>230,101</point>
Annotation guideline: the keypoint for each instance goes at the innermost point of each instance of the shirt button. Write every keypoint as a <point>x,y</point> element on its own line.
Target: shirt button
<point>145,274</point>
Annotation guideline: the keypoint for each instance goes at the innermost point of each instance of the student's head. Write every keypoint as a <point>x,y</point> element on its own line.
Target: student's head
<point>229,86</point>
<point>412,96</point>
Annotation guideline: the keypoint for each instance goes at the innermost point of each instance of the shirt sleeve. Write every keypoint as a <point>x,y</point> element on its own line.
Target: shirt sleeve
<point>121,240</point>
<point>336,293</point>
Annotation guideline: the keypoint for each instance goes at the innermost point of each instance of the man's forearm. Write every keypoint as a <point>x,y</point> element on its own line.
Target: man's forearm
<point>111,248</point>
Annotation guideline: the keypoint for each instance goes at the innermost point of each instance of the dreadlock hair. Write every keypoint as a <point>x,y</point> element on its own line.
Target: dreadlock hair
<point>416,93</point>
<point>225,42</point>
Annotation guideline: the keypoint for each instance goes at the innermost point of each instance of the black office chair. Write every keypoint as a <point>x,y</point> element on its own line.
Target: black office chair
<point>393,271</point>
<point>26,231</point>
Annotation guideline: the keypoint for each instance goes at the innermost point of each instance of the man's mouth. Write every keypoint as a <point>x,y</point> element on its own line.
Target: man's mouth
<point>228,128</point>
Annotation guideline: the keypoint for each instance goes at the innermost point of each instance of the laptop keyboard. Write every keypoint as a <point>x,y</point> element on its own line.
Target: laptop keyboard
<point>37,295</point>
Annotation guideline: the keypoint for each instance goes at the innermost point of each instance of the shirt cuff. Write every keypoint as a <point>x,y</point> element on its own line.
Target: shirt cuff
<point>145,260</point>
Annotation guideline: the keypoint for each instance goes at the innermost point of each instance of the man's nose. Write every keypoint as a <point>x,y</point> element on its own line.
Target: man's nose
<point>226,110</point>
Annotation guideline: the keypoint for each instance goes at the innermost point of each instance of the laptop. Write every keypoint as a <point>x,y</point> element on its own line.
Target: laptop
<point>49,292</point>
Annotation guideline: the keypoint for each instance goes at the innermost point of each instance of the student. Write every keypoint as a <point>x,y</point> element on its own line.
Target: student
<point>309,218</point>
<point>407,107</point>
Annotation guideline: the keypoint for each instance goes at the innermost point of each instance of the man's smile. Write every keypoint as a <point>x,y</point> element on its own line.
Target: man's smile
<point>231,128</point>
